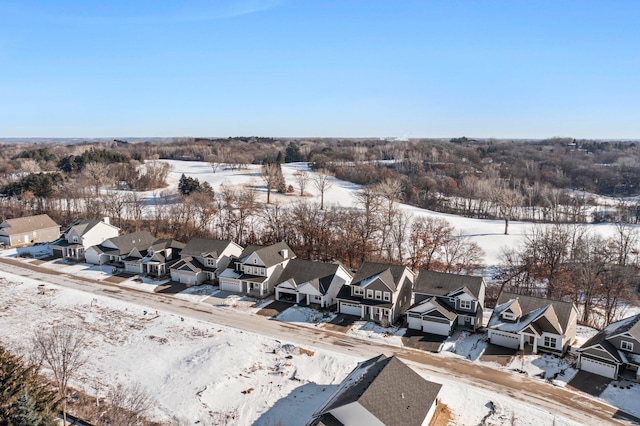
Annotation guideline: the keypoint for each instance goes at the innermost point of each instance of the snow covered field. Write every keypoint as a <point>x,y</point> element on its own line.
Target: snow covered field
<point>200,371</point>
<point>489,234</point>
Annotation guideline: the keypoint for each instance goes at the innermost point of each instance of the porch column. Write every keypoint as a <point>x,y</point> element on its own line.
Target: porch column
<point>521,342</point>
<point>535,345</point>
<point>361,311</point>
<point>307,298</point>
<point>297,298</point>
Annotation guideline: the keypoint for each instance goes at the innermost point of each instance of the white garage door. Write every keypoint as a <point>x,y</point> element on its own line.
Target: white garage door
<point>506,340</point>
<point>436,328</point>
<point>598,367</point>
<point>350,309</point>
<point>414,323</point>
<point>231,285</point>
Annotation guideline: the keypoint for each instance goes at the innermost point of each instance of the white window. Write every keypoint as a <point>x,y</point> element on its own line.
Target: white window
<point>358,291</point>
<point>369,294</point>
<point>75,238</point>
<point>211,262</point>
<point>465,304</point>
<point>387,296</point>
<point>549,342</point>
<point>378,295</point>
<point>508,315</point>
<point>626,346</point>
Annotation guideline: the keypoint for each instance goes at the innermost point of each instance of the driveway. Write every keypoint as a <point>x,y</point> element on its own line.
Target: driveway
<point>274,309</point>
<point>341,323</point>
<point>498,354</point>
<point>423,341</point>
<point>590,383</point>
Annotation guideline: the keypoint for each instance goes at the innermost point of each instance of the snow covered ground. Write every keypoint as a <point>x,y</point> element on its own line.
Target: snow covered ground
<point>489,234</point>
<point>199,371</point>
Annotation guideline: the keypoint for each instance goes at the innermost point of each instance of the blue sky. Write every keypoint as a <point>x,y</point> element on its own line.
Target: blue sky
<point>346,68</point>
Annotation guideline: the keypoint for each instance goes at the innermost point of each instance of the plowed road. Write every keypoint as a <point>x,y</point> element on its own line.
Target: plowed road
<point>552,399</point>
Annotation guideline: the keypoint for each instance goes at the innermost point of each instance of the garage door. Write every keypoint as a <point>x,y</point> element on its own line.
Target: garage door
<point>506,340</point>
<point>231,285</point>
<point>286,294</point>
<point>414,323</point>
<point>598,367</point>
<point>442,329</point>
<point>57,252</point>
<point>350,309</point>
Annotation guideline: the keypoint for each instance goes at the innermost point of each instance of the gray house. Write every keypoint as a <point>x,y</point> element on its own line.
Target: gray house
<point>203,259</point>
<point>378,291</point>
<point>29,229</point>
<point>154,260</point>
<point>116,249</point>
<point>614,350</point>
<point>444,302</point>
<point>380,391</point>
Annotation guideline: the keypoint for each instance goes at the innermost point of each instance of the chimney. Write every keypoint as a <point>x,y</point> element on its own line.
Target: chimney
<point>106,220</point>
<point>284,253</point>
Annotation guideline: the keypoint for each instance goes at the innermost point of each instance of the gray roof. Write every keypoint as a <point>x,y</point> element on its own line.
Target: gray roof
<point>531,303</point>
<point>326,419</point>
<point>126,243</point>
<point>270,255</point>
<point>441,283</point>
<point>319,274</point>
<point>440,304</point>
<point>205,246</point>
<point>20,225</point>
<point>388,389</point>
<point>370,269</point>
<point>629,325</point>
<point>83,226</point>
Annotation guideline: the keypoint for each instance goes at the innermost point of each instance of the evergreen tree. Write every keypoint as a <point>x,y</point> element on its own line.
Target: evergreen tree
<point>292,154</point>
<point>23,395</point>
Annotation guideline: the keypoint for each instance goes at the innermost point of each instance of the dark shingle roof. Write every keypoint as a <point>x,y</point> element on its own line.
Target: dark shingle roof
<point>531,303</point>
<point>203,246</point>
<point>629,325</point>
<point>19,225</point>
<point>127,242</point>
<point>319,274</point>
<point>370,269</point>
<point>388,389</point>
<point>326,419</point>
<point>441,283</point>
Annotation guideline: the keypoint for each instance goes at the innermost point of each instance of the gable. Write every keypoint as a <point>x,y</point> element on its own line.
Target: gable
<point>377,284</point>
<point>254,259</point>
<point>600,352</point>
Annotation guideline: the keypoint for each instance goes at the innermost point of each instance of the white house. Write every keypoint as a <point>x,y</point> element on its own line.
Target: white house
<point>382,391</point>
<point>82,235</point>
<point>535,323</point>
<point>307,282</point>
<point>203,259</point>
<point>257,269</point>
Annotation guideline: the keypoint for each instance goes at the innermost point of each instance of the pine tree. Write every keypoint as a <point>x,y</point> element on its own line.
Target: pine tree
<point>22,392</point>
<point>25,412</point>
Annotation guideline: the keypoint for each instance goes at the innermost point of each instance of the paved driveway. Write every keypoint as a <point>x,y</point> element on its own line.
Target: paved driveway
<point>498,354</point>
<point>427,342</point>
<point>590,383</point>
<point>341,323</point>
<point>274,309</point>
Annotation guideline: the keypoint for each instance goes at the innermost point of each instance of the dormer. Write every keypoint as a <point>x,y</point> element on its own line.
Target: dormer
<point>513,312</point>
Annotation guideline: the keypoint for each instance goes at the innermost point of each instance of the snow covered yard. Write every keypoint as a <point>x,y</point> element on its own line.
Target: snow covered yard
<point>368,330</point>
<point>625,395</point>
<point>304,315</point>
<point>552,368</point>
<point>465,345</point>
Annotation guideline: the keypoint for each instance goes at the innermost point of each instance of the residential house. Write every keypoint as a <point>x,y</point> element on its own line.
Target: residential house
<point>115,250</point>
<point>155,260</point>
<point>444,302</point>
<point>380,391</point>
<point>532,323</point>
<point>377,292</point>
<point>82,235</point>
<point>307,282</point>
<point>29,229</point>
<point>614,350</point>
<point>256,270</point>
<point>203,259</point>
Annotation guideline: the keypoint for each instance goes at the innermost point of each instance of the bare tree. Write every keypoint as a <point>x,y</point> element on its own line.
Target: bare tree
<point>272,177</point>
<point>97,174</point>
<point>62,349</point>
<point>302,178</point>
<point>322,182</point>
<point>127,405</point>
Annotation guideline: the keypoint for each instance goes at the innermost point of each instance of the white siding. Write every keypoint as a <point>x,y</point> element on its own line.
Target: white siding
<point>507,340</point>
<point>598,367</point>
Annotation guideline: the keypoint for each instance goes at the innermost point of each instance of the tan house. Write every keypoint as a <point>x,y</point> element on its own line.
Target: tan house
<point>82,235</point>
<point>27,230</point>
